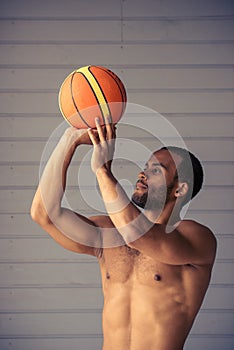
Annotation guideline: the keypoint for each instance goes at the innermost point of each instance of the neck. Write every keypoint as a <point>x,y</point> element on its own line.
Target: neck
<point>170,215</point>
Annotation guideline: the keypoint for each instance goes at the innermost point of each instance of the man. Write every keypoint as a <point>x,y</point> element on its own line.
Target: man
<point>155,267</point>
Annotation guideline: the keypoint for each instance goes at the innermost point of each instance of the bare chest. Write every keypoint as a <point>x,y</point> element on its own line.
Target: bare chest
<point>126,264</point>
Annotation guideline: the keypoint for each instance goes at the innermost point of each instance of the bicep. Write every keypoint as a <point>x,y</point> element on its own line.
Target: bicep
<point>74,232</point>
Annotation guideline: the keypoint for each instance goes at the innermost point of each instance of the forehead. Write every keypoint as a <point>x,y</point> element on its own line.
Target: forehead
<point>167,159</point>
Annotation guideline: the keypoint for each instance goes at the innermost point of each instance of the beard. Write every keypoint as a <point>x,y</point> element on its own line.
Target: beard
<point>153,201</point>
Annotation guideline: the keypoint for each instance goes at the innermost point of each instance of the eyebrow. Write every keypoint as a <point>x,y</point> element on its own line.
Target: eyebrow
<point>158,164</point>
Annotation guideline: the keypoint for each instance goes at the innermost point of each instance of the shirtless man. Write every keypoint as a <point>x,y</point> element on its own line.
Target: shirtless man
<point>154,281</point>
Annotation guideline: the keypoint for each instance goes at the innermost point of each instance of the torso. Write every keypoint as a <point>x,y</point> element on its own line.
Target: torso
<point>148,304</point>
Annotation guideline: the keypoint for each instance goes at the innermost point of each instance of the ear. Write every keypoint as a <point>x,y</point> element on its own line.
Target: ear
<point>181,190</point>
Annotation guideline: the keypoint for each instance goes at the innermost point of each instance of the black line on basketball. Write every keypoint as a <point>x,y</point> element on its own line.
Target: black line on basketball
<point>103,96</point>
<point>93,94</point>
<point>109,72</point>
<point>74,102</point>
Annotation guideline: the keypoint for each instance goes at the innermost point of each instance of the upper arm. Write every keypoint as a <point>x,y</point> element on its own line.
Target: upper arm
<point>71,230</point>
<point>66,242</point>
<point>190,243</point>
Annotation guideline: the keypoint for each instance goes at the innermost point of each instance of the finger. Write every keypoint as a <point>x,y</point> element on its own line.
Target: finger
<point>100,130</point>
<point>109,127</point>
<point>92,137</point>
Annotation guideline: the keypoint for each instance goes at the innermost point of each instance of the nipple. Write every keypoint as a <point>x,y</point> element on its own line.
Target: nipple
<point>157,277</point>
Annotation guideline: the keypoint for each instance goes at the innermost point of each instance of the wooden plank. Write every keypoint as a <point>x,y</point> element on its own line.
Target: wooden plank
<point>79,55</point>
<point>162,102</point>
<point>157,30</point>
<point>213,342</point>
<point>44,324</point>
<point>177,29</point>
<point>180,102</point>
<point>19,200</point>
<point>21,225</point>
<point>212,299</point>
<point>216,174</point>
<point>45,249</point>
<point>214,322</point>
<point>42,250</point>
<point>193,343</point>
<point>88,342</point>
<point>66,298</point>
<point>60,31</point>
<point>50,274</point>
<point>223,272</point>
<point>140,78</point>
<point>206,150</point>
<point>38,267</point>
<point>51,299</point>
<point>149,8</point>
<point>187,126</point>
<point>59,8</point>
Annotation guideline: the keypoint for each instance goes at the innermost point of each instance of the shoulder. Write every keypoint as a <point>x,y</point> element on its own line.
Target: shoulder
<point>199,235</point>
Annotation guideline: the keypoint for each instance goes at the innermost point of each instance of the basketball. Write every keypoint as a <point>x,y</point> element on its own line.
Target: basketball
<point>91,92</point>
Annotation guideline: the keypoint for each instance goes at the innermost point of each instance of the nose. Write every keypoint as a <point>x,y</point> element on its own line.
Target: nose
<point>141,175</point>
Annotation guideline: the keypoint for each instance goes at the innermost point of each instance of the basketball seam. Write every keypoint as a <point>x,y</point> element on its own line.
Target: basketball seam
<point>93,92</point>
<point>123,95</point>
<point>74,102</point>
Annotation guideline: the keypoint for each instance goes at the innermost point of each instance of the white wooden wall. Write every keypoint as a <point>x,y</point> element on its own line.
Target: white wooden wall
<point>174,56</point>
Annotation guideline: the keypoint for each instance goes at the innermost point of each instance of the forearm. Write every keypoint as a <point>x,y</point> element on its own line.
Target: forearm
<point>126,217</point>
<point>53,180</point>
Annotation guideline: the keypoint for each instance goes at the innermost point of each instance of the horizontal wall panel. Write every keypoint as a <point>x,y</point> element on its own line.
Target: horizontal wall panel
<point>67,298</point>
<point>51,324</point>
<point>173,29</point>
<point>220,222</point>
<point>187,126</point>
<point>206,150</point>
<point>181,102</point>
<point>223,272</point>
<point>50,274</point>
<point>157,30</point>
<point>60,31</point>
<point>80,273</point>
<point>216,174</point>
<point>162,102</point>
<point>212,298</point>
<point>215,343</point>
<point>149,8</point>
<point>57,8</point>
<point>51,299</point>
<point>71,324</point>
<point>19,200</point>
<point>140,78</point>
<point>21,225</point>
<point>41,250</point>
<point>44,249</point>
<point>77,55</point>
<point>89,342</point>
<point>213,323</point>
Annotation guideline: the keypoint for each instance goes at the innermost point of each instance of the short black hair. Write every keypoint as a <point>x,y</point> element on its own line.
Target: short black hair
<point>189,170</point>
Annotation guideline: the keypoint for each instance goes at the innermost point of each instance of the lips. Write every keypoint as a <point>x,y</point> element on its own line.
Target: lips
<point>140,184</point>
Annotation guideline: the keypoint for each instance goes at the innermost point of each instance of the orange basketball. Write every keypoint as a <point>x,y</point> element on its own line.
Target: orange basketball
<point>91,92</point>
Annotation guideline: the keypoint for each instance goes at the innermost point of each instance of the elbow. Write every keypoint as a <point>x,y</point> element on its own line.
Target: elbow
<point>38,213</point>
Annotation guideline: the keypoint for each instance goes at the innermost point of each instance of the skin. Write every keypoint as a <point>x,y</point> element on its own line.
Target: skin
<point>155,282</point>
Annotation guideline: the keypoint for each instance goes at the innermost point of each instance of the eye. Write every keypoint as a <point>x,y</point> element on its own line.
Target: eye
<point>157,170</point>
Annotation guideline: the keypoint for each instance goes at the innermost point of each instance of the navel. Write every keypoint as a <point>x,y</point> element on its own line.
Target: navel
<point>157,277</point>
<point>107,275</point>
